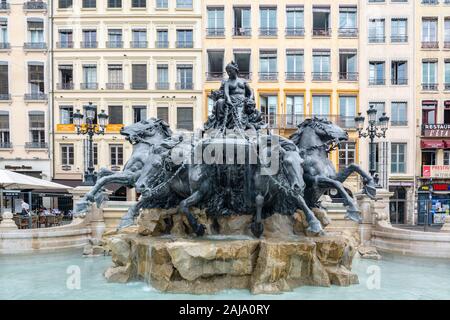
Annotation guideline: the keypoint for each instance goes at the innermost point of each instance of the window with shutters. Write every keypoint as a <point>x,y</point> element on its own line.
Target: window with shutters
<point>114,3</point>
<point>184,77</point>
<point>116,154</point>
<point>67,154</point>
<point>139,76</point>
<point>115,114</point>
<point>5,141</point>
<point>139,113</point>
<point>36,78</point>
<point>138,3</point>
<point>185,118</point>
<point>66,114</point>
<point>35,34</point>
<point>4,82</point>
<point>163,113</point>
<point>185,39</point>
<point>65,38</point>
<point>115,38</point>
<point>37,129</point>
<point>89,3</point>
<point>64,4</point>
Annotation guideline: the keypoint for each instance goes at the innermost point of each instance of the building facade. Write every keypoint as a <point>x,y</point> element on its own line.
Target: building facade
<point>433,109</point>
<point>135,60</point>
<point>24,82</point>
<point>387,83</point>
<point>300,57</point>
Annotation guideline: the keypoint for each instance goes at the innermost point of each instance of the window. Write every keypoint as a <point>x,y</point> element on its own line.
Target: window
<point>398,157</point>
<point>269,107</point>
<point>268,21</point>
<point>89,77</point>
<point>64,4</point>
<point>447,33</point>
<point>295,24</point>
<point>4,81</point>
<point>321,106</point>
<point>447,158</point>
<point>4,34</point>
<point>162,73</point>
<point>447,114</point>
<point>184,118</point>
<point>114,3</point>
<point>321,21</point>
<point>348,65</point>
<point>5,141</point>
<point>347,154</point>
<point>294,110</point>
<point>399,114</point>
<point>380,107</point>
<point>37,129</point>
<point>65,77</point>
<point>162,37</point>
<point>429,114</point>
<point>139,76</point>
<point>399,30</point>
<point>35,33</point>
<point>399,72</point>
<point>89,39</point>
<point>115,76</point>
<point>242,21</point>
<point>185,39</point>
<point>139,113</point>
<point>429,32</point>
<point>116,154</point>
<point>89,4</point>
<point>115,38</point>
<point>65,38</point>
<point>294,65</point>
<point>162,4</point>
<point>243,57</point>
<point>321,65</point>
<point>376,73</point>
<point>347,111</point>
<point>184,4</point>
<point>447,74</point>
<point>139,38</point>
<point>36,78</point>
<point>268,65</point>
<point>376,31</point>
<point>138,3</point>
<point>163,113</point>
<point>67,154</point>
<point>215,64</point>
<point>66,114</point>
<point>216,24</point>
<point>429,75</point>
<point>115,114</point>
<point>347,21</point>
<point>185,77</point>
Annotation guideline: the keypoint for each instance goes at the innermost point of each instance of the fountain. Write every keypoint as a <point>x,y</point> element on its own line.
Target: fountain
<point>232,207</point>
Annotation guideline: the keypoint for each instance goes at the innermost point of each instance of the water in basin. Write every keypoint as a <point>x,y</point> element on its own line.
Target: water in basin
<point>45,276</point>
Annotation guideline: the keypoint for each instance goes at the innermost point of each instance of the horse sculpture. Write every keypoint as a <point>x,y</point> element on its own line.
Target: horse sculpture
<point>315,138</point>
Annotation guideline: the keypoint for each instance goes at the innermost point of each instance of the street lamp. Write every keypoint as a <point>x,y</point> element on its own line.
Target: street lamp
<point>373,130</point>
<point>86,125</point>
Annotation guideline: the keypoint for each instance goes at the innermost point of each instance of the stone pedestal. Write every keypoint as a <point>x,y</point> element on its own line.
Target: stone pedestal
<point>381,207</point>
<point>7,222</point>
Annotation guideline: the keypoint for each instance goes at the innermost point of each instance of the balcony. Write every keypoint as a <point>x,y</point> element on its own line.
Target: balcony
<point>64,45</point>
<point>399,82</point>
<point>430,2</point>
<point>291,121</point>
<point>34,5</point>
<point>399,38</point>
<point>268,32</point>
<point>185,44</point>
<point>268,76</point>
<point>138,86</point>
<point>429,86</point>
<point>162,44</point>
<point>89,44</point>
<point>245,75</point>
<point>5,46</point>
<point>35,96</point>
<point>399,123</point>
<point>65,86</point>
<point>295,76</point>
<point>215,32</point>
<point>114,44</point>
<point>184,86</point>
<point>377,39</point>
<point>115,86</point>
<point>36,145</point>
<point>138,44</point>
<point>214,76</point>
<point>348,76</point>
<point>447,45</point>
<point>5,96</point>
<point>430,44</point>
<point>89,86</point>
<point>5,6</point>
<point>6,145</point>
<point>377,82</point>
<point>321,76</point>
<point>295,32</point>
<point>162,86</point>
<point>447,86</point>
<point>321,32</point>
<point>242,32</point>
<point>348,32</point>
<point>35,46</point>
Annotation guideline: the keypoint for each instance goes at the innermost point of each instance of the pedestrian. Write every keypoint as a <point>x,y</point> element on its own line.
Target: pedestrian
<point>26,212</point>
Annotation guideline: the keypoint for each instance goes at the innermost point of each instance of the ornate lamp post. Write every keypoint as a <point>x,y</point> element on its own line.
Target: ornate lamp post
<point>85,125</point>
<point>373,130</point>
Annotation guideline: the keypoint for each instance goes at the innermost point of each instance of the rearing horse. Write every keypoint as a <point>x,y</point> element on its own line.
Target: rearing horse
<point>315,138</point>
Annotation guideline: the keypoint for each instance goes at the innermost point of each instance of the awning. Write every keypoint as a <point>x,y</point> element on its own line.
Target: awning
<point>432,144</point>
<point>447,144</point>
<point>71,183</point>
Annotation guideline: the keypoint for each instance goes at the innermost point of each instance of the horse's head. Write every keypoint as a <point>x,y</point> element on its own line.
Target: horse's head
<point>153,169</point>
<point>146,129</point>
<point>327,131</point>
<point>291,164</point>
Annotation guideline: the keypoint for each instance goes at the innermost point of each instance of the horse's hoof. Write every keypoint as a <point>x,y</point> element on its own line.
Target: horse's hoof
<point>314,229</point>
<point>257,229</point>
<point>200,230</point>
<point>353,215</point>
<point>370,191</point>
<point>125,223</point>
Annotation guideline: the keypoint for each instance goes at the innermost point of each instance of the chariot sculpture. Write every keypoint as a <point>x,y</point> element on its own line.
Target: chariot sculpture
<point>265,173</point>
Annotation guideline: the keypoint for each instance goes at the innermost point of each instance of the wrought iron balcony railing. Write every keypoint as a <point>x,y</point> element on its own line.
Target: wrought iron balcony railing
<point>295,76</point>
<point>89,86</point>
<point>35,96</point>
<point>377,82</point>
<point>64,44</point>
<point>321,76</point>
<point>5,45</point>
<point>447,86</point>
<point>447,43</point>
<point>430,44</point>
<point>65,86</point>
<point>245,75</point>
<point>35,45</point>
<point>162,85</point>
<point>184,86</point>
<point>138,44</point>
<point>215,32</point>
<point>4,6</point>
<point>399,81</point>
<point>115,86</point>
<point>321,32</point>
<point>35,5</point>
<point>429,86</point>
<point>291,121</point>
<point>399,123</point>
<point>348,32</point>
<point>268,76</point>
<point>377,39</point>
<point>295,32</point>
<point>6,145</point>
<point>5,96</point>
<point>242,32</point>
<point>214,76</point>
<point>162,44</point>
<point>36,145</point>
<point>399,38</point>
<point>89,44</point>
<point>268,32</point>
<point>185,44</point>
<point>138,86</point>
<point>114,44</point>
<point>348,76</point>
<point>430,2</point>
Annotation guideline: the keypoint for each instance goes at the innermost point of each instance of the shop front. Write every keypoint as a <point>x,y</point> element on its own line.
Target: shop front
<point>434,203</point>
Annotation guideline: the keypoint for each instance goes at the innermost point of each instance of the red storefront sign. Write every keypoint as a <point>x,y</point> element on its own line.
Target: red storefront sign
<point>438,172</point>
<point>432,144</point>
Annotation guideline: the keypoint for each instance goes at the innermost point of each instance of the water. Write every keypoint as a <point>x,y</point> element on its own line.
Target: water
<point>45,276</point>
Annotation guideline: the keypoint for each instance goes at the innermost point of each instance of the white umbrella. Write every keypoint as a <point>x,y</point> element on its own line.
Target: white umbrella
<point>13,180</point>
